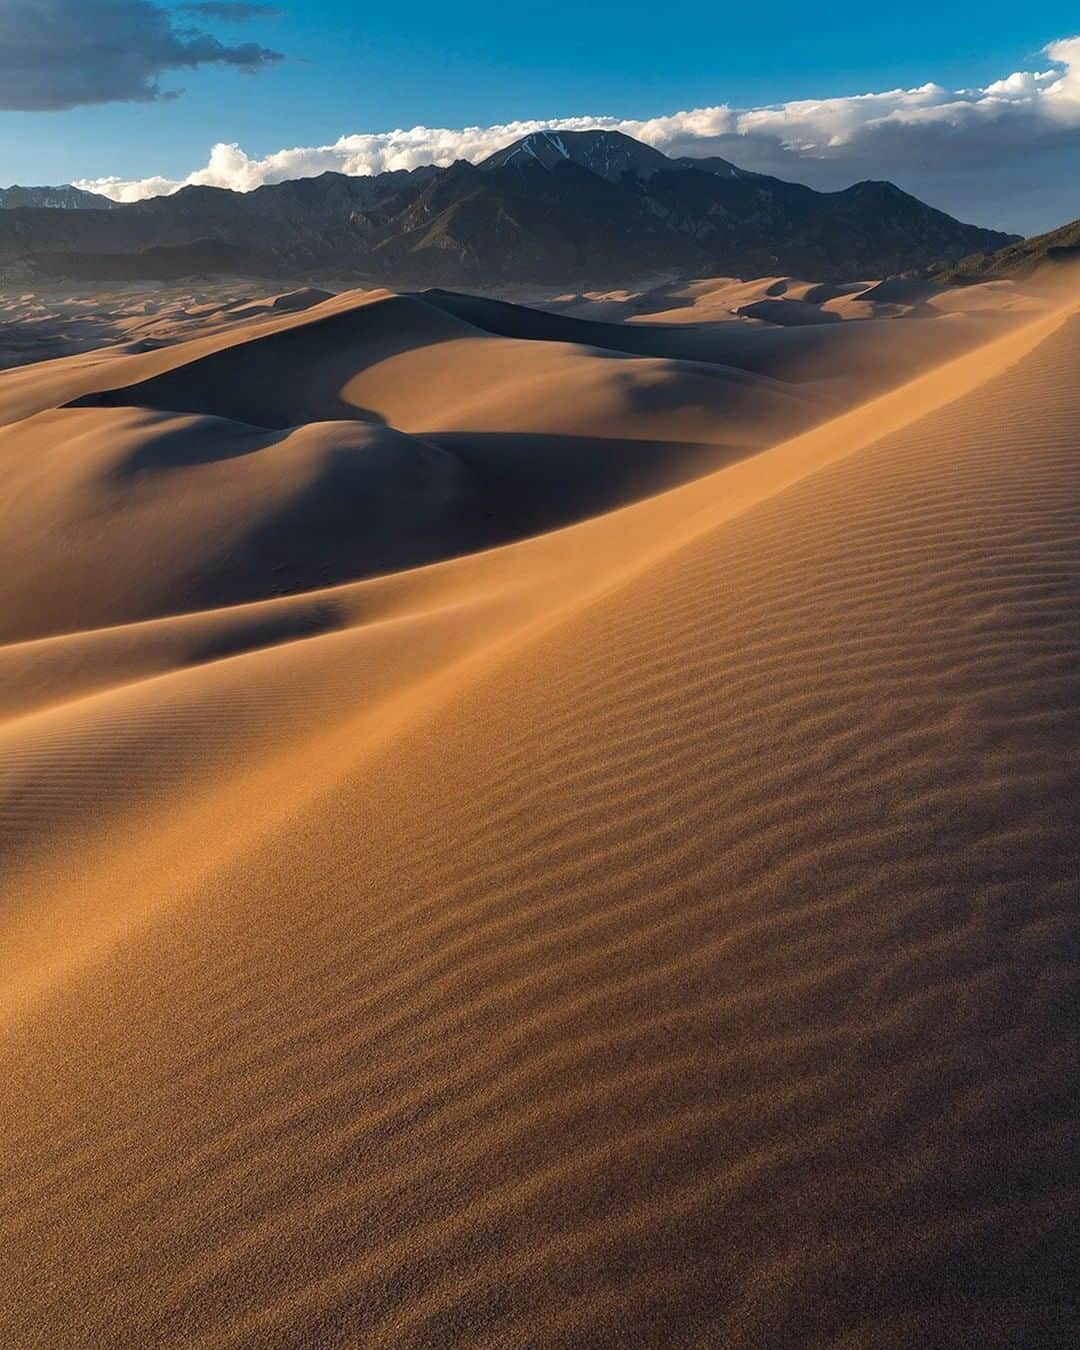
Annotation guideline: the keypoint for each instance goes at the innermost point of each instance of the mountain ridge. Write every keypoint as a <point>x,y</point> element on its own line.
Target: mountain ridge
<point>587,206</point>
<point>62,197</point>
<point>1015,260</point>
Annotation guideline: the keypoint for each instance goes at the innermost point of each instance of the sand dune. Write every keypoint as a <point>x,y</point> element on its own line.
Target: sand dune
<point>366,435</point>
<point>654,930</point>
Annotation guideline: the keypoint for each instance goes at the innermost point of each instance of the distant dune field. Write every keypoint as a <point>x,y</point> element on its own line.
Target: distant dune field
<point>543,826</point>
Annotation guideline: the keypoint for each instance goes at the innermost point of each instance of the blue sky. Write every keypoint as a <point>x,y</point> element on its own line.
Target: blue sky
<point>351,68</point>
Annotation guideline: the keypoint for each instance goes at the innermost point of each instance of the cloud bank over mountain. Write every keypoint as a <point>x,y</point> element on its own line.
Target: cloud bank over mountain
<point>1008,153</point>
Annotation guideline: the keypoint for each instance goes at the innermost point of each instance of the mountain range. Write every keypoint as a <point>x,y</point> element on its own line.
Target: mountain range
<point>584,207</point>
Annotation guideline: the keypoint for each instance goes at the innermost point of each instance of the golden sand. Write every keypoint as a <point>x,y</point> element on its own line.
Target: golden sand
<point>642,923</point>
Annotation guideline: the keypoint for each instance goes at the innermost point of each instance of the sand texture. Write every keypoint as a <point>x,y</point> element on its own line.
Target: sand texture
<point>511,841</point>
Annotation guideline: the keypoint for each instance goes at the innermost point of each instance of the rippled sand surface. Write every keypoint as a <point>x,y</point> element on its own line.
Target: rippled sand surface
<point>512,844</point>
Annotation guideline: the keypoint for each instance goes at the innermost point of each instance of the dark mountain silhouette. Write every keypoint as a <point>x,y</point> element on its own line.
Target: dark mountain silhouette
<point>583,207</point>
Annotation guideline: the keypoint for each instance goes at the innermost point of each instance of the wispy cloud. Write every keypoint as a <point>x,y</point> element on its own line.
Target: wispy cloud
<point>945,142</point>
<point>68,53</point>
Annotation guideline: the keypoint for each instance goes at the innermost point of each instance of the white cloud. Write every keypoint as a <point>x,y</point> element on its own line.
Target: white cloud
<point>928,138</point>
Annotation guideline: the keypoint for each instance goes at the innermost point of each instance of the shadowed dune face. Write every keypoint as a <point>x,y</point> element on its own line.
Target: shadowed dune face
<point>658,930</point>
<point>161,512</point>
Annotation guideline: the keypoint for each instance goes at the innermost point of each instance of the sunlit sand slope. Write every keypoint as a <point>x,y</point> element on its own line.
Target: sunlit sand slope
<point>658,932</point>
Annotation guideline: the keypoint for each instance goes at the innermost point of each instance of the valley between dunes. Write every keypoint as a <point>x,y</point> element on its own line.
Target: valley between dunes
<point>524,830</point>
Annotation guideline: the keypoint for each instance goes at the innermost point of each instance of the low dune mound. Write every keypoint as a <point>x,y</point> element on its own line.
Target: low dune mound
<point>302,298</point>
<point>899,291</point>
<point>787,313</point>
<point>659,930</point>
<point>289,302</point>
<point>819,293</point>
